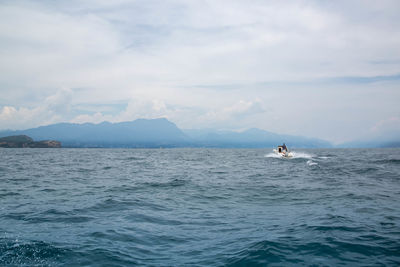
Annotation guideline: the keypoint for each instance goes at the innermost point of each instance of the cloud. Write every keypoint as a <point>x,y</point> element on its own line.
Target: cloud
<point>54,108</point>
<point>60,108</point>
<point>97,117</point>
<point>137,43</point>
<point>237,111</point>
<point>231,116</point>
<point>386,129</point>
<point>257,63</point>
<point>20,118</point>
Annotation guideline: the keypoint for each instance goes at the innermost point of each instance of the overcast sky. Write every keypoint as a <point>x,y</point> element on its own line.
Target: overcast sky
<point>327,69</point>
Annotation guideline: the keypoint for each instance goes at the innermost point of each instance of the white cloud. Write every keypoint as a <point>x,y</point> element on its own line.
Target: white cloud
<point>200,117</point>
<point>217,63</point>
<point>53,109</point>
<point>386,129</point>
<point>97,117</point>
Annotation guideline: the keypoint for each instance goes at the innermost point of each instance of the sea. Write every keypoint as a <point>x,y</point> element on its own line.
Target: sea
<point>199,207</point>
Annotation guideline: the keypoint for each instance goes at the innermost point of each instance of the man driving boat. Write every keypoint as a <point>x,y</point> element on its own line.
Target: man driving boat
<point>284,147</point>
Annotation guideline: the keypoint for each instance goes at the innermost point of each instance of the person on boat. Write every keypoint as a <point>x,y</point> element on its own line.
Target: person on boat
<point>284,147</point>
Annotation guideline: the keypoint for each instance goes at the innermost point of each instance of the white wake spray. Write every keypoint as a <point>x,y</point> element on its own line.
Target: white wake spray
<point>295,155</point>
<point>301,155</point>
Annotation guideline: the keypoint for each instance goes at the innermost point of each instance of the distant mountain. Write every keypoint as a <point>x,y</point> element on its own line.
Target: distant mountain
<point>138,133</point>
<point>252,138</point>
<point>159,133</point>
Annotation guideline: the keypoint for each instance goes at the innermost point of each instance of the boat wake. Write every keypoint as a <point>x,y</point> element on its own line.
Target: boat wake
<point>301,155</point>
<point>273,155</point>
<point>311,159</point>
<point>294,155</point>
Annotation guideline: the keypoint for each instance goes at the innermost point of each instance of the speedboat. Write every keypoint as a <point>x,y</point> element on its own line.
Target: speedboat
<point>283,151</point>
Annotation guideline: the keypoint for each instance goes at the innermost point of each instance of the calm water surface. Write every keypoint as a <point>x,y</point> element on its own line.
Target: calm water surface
<point>199,207</point>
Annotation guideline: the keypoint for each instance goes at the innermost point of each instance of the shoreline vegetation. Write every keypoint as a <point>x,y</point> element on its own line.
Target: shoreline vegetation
<point>24,141</point>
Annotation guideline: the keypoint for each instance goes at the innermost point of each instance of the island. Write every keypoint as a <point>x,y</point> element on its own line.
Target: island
<point>21,141</point>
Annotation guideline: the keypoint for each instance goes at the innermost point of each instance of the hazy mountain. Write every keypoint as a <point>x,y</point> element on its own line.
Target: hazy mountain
<point>138,133</point>
<point>159,133</point>
<point>251,138</point>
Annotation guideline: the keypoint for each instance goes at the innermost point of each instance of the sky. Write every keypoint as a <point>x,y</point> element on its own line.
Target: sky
<point>326,69</point>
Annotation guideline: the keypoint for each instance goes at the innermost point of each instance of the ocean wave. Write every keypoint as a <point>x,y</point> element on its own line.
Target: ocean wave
<point>108,205</point>
<point>366,170</point>
<point>152,219</point>
<point>328,228</point>
<point>29,253</point>
<point>311,163</point>
<point>228,207</point>
<point>112,205</point>
<point>172,183</point>
<point>48,216</point>
<point>388,161</point>
<point>132,158</point>
<point>264,253</point>
<point>6,194</point>
<point>115,236</point>
<point>323,251</point>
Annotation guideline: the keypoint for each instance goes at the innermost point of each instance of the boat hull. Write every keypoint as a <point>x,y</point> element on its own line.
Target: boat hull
<point>283,154</point>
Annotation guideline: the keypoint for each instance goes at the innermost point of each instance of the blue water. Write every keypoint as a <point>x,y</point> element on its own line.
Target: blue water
<point>199,207</point>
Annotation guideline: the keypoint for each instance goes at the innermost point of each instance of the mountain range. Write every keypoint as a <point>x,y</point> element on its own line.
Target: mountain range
<point>251,138</point>
<point>154,133</point>
<point>138,133</point>
<point>158,133</point>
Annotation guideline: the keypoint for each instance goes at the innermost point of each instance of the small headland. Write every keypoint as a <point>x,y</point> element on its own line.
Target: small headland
<point>21,141</point>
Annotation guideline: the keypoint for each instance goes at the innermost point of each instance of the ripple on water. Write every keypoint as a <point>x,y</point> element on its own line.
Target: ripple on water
<point>263,253</point>
<point>35,253</point>
<point>49,216</point>
<point>171,183</point>
<point>330,251</point>
<point>8,194</point>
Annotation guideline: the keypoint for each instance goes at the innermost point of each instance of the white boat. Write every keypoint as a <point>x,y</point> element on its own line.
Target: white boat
<point>283,151</point>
